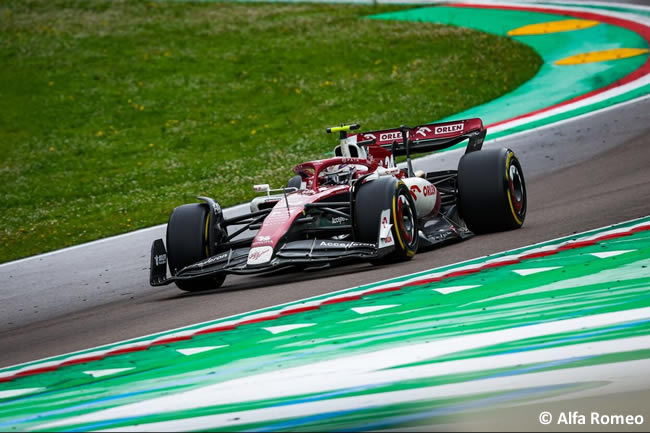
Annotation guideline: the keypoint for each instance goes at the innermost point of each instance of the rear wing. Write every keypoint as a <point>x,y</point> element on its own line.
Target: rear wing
<point>426,138</point>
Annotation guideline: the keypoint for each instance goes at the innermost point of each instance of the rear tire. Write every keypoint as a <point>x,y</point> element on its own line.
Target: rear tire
<point>187,244</point>
<point>374,197</point>
<point>491,191</point>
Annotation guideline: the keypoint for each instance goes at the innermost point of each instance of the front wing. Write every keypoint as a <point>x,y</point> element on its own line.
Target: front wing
<point>314,252</point>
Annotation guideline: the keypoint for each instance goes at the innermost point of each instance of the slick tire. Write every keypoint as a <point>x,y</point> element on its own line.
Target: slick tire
<point>187,244</point>
<point>491,191</point>
<point>371,199</point>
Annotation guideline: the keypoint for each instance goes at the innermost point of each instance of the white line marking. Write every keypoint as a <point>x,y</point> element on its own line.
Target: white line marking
<point>366,310</point>
<point>531,271</point>
<point>454,289</point>
<point>285,328</point>
<point>195,350</point>
<point>107,372</point>
<point>611,253</point>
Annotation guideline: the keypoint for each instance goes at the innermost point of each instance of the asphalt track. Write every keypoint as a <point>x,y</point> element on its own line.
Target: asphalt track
<point>581,174</point>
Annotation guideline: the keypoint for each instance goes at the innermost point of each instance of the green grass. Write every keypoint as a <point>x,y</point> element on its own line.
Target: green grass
<point>115,112</point>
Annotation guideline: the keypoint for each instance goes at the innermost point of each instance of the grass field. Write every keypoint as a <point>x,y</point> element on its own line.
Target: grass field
<point>114,112</point>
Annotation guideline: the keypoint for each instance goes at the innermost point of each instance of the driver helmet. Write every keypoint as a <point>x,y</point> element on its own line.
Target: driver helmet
<point>337,174</point>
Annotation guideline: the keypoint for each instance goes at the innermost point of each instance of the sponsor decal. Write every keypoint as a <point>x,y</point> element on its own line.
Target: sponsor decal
<point>385,234</point>
<point>390,136</point>
<point>423,130</point>
<point>263,240</point>
<point>339,220</point>
<point>259,255</point>
<point>160,259</point>
<point>413,194</point>
<point>346,245</point>
<point>370,136</point>
<point>426,191</point>
<point>456,127</point>
<point>212,260</point>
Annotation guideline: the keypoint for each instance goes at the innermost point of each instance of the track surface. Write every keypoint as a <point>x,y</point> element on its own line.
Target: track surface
<point>99,293</point>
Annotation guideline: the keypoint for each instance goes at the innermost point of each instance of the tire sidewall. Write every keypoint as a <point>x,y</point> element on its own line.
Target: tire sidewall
<point>373,198</point>
<point>404,248</point>
<point>485,198</point>
<point>187,243</point>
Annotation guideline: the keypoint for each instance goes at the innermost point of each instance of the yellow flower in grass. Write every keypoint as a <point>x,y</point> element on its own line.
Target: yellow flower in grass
<point>100,133</point>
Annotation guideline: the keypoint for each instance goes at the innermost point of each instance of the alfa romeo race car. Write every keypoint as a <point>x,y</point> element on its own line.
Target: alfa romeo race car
<point>357,205</point>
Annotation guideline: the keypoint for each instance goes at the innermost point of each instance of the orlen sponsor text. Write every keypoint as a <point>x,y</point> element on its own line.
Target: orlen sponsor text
<point>456,127</point>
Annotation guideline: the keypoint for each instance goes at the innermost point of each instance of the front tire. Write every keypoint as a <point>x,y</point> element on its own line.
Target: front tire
<point>187,243</point>
<point>371,200</point>
<point>491,191</point>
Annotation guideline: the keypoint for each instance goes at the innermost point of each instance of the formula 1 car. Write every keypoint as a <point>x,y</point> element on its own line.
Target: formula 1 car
<point>356,205</point>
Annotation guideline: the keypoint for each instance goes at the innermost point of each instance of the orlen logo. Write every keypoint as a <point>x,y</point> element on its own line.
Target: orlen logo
<point>423,130</point>
<point>449,128</point>
<point>426,191</point>
<point>388,136</point>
